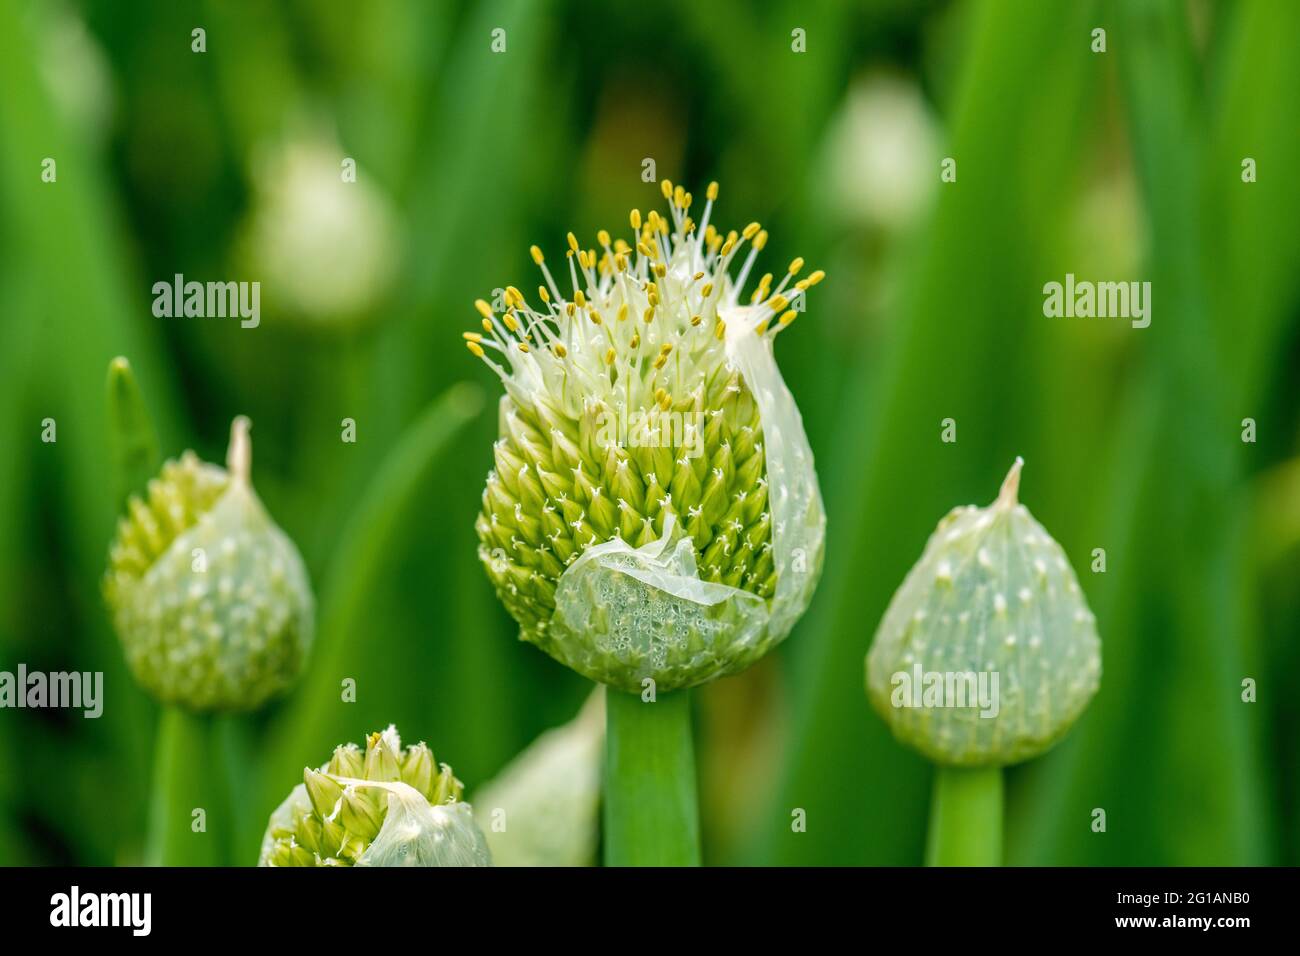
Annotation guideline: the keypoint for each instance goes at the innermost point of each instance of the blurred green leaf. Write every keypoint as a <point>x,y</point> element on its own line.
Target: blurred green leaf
<point>131,435</point>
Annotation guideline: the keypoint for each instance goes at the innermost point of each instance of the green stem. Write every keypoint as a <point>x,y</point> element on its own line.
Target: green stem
<point>185,779</point>
<point>651,814</point>
<point>966,817</point>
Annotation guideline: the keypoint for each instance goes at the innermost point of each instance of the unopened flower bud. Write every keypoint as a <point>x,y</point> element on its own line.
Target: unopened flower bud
<point>988,652</point>
<point>347,761</point>
<point>210,599</point>
<point>382,816</point>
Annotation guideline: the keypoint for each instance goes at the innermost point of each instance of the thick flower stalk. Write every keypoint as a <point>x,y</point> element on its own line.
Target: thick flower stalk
<point>210,599</point>
<point>986,656</point>
<point>653,512</point>
<point>384,806</point>
<point>653,519</point>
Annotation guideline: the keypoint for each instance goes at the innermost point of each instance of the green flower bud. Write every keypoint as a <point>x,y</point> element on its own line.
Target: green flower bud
<point>418,770</point>
<point>210,599</point>
<point>323,791</point>
<point>362,810</point>
<point>988,653</point>
<point>653,511</point>
<point>347,761</point>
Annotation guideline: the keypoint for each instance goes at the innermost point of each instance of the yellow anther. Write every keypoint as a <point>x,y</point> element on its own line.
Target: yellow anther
<point>472,336</point>
<point>777,303</point>
<point>487,325</point>
<point>559,350</point>
<point>761,327</point>
<point>721,331</point>
<point>579,299</point>
<point>635,218</point>
<point>584,261</point>
<point>523,347</point>
<point>653,298</point>
<point>712,191</point>
<point>602,237</point>
<point>796,266</point>
<point>645,250</point>
<point>688,225</point>
<point>661,270</point>
<point>511,322</point>
<point>661,361</point>
<point>636,340</point>
<point>649,315</point>
<point>751,230</point>
<point>697,277</point>
<point>816,277</point>
<point>484,309</point>
<point>610,355</point>
<point>622,312</point>
<point>666,188</point>
<point>666,402</point>
<point>543,294</point>
<point>679,197</point>
<point>760,240</point>
<point>788,317</point>
<point>595,316</point>
<point>802,284</point>
<point>696,320</point>
<point>573,242</point>
<point>570,309</point>
<point>707,290</point>
<point>537,254</point>
<point>620,261</point>
<point>665,348</point>
<point>689,199</point>
<point>475,348</point>
<point>728,246</point>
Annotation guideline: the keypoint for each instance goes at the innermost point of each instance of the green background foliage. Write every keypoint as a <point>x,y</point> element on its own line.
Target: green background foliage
<point>1116,166</point>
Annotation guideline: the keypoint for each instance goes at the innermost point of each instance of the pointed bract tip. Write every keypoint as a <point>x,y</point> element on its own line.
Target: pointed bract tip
<point>1008,496</point>
<point>239,456</point>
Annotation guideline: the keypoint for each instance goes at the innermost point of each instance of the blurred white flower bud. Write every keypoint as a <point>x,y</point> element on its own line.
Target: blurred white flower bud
<point>323,245</point>
<point>543,809</point>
